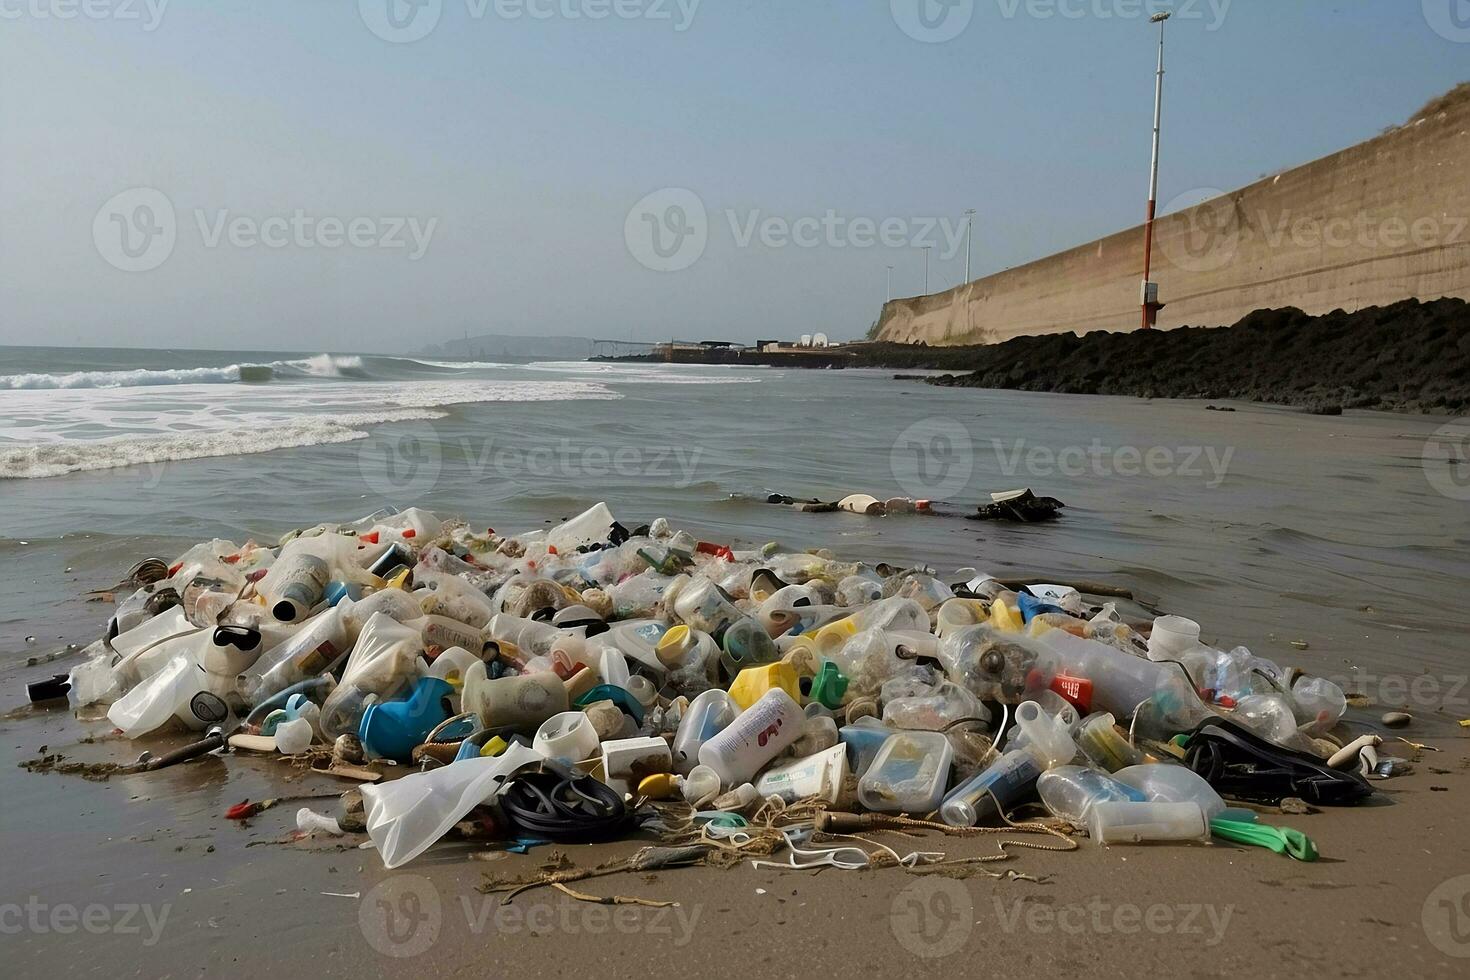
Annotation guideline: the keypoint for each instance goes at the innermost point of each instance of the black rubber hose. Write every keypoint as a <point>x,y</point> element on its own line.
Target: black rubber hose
<point>557,806</point>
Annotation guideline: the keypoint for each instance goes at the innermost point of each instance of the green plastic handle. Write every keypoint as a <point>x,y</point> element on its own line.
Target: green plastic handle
<point>1282,840</point>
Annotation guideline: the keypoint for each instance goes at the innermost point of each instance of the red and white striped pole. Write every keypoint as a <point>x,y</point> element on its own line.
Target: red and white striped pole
<point>1150,291</point>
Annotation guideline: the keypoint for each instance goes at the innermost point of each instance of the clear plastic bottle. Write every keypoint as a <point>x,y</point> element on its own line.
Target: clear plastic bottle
<point>1008,781</point>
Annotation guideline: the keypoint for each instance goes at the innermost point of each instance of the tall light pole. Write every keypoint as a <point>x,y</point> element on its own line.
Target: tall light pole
<point>926,269</point>
<point>969,237</point>
<point>1150,291</point>
<point>890,284</point>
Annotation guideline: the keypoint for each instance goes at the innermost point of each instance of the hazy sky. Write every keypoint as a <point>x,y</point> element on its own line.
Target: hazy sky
<point>314,174</point>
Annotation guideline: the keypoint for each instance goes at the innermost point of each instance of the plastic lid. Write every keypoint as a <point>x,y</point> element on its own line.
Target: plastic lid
<point>674,644</point>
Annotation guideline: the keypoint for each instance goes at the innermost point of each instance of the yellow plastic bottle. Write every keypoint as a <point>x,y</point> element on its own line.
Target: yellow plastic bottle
<point>752,682</point>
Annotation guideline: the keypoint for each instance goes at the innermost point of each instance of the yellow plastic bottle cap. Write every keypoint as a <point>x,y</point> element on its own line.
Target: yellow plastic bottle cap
<point>660,785</point>
<point>672,646</point>
<point>494,747</point>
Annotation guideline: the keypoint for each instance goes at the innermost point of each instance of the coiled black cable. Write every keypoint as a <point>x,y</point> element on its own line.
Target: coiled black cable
<point>564,806</point>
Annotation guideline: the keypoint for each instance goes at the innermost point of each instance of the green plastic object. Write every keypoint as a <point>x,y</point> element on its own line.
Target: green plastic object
<point>1282,840</point>
<point>828,686</point>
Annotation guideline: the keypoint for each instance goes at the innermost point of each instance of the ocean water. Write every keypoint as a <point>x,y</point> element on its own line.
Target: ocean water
<point>1326,542</point>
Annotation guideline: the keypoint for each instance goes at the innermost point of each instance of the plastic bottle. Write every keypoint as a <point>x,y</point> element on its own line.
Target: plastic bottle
<point>909,775</point>
<point>316,648</point>
<point>1167,783</point>
<point>698,603</point>
<point>443,633</point>
<point>753,682</point>
<point>521,703</point>
<point>754,738</point>
<point>707,715</point>
<point>393,603</point>
<point>1007,781</point>
<point>1069,792</point>
<point>533,638</point>
<point>1046,735</point>
<point>297,583</point>
<point>384,660</point>
<point>1099,740</point>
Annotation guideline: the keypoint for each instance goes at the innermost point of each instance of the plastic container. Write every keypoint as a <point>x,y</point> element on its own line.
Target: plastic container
<point>701,785</point>
<point>319,646</point>
<point>707,715</point>
<point>627,761</point>
<point>1047,735</point>
<point>392,729</point>
<point>393,603</point>
<point>1172,637</point>
<point>1138,823</point>
<point>1100,741</point>
<point>533,638</point>
<point>297,582</point>
<point>909,775</point>
<point>1069,792</point>
<point>520,703</point>
<point>753,682</point>
<point>1006,782</point>
<point>382,663</point>
<point>638,641</point>
<point>698,603</point>
<point>568,737</point>
<point>956,614</point>
<point>443,633</point>
<point>863,739</point>
<point>1165,783</point>
<point>756,736</point>
<point>820,775</point>
<point>589,527</point>
<point>745,644</point>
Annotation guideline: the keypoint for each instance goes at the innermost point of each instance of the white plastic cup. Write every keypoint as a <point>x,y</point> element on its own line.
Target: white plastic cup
<point>568,737</point>
<point>1172,637</point>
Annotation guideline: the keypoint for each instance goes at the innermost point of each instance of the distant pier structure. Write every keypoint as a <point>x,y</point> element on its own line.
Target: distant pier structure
<point>620,348</point>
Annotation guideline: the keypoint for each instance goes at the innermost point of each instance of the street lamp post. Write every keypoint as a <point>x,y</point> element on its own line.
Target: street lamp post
<point>1150,291</point>
<point>969,237</point>
<point>926,269</point>
<point>890,284</point>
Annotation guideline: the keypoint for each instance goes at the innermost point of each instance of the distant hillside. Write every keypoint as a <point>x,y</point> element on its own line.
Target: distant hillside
<point>498,347</point>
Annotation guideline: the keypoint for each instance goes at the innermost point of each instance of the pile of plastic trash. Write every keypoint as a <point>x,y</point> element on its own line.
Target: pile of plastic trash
<point>590,682</point>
